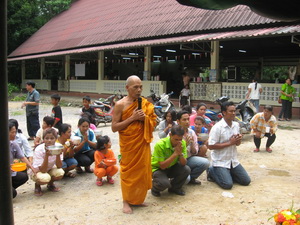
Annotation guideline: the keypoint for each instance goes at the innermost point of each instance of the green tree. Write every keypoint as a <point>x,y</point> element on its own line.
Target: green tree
<point>25,17</point>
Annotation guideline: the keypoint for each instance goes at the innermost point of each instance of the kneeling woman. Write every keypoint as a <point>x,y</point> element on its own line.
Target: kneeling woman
<point>84,152</point>
<point>17,178</point>
<point>69,163</point>
<point>49,167</point>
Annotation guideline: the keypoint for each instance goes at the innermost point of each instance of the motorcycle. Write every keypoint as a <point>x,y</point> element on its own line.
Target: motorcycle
<point>245,112</point>
<point>162,104</point>
<point>104,108</point>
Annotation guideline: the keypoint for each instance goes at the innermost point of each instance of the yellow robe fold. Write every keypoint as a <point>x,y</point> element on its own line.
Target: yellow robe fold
<point>136,175</point>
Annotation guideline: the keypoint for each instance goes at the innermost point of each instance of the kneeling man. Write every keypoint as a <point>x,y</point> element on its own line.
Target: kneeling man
<point>169,161</point>
<point>223,139</point>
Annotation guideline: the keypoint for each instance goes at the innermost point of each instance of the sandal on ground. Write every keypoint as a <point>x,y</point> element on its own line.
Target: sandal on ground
<point>78,169</point>
<point>110,180</point>
<point>53,188</point>
<point>69,174</point>
<point>99,182</point>
<point>287,119</point>
<point>256,150</point>
<point>269,150</point>
<point>38,191</point>
<point>88,169</point>
<point>280,119</point>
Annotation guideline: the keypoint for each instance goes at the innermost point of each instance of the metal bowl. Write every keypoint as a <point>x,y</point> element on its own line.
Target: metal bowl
<point>203,136</point>
<point>76,140</point>
<point>55,149</point>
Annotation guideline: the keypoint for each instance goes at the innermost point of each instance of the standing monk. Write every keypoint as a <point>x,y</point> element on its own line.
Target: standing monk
<point>135,127</point>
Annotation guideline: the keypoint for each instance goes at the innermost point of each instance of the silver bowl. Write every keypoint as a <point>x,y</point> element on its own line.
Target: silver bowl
<point>203,136</point>
<point>76,140</point>
<point>55,149</point>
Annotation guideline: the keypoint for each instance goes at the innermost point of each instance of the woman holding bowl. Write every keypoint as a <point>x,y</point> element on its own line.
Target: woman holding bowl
<point>84,151</point>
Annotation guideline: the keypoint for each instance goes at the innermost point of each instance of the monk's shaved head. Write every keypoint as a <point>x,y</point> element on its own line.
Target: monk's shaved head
<point>130,80</point>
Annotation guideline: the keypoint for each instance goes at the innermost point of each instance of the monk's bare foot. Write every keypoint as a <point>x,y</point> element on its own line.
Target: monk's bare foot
<point>142,205</point>
<point>126,208</point>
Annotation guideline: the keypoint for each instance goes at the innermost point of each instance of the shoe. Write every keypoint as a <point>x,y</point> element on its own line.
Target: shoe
<point>194,181</point>
<point>110,180</point>
<point>177,192</point>
<point>99,182</point>
<point>256,150</point>
<point>155,193</point>
<point>287,119</point>
<point>280,119</point>
<point>269,150</point>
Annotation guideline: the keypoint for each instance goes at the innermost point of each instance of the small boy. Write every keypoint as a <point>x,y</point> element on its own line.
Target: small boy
<point>86,101</point>
<point>199,128</point>
<point>48,122</point>
<point>56,111</point>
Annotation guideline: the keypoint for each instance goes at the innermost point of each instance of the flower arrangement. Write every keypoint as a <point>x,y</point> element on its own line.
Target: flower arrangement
<point>287,217</point>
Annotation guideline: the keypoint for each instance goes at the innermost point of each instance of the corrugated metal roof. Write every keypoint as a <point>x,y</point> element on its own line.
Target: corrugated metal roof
<point>284,30</point>
<point>98,22</point>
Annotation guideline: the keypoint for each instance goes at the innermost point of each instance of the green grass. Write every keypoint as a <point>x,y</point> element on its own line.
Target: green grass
<point>17,113</point>
<point>19,98</point>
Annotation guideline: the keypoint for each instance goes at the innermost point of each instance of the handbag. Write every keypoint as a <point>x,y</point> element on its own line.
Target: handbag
<point>279,99</point>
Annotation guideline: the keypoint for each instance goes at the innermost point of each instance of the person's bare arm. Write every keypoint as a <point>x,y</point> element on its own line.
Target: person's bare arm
<point>248,93</point>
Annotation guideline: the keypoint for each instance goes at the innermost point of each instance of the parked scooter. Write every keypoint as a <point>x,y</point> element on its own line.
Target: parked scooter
<point>245,112</point>
<point>162,104</point>
<point>104,108</point>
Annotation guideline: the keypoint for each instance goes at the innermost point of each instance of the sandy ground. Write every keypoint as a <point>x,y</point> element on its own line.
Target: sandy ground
<point>275,185</point>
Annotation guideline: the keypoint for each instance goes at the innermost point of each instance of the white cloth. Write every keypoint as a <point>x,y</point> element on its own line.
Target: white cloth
<point>221,133</point>
<point>21,140</point>
<point>39,156</point>
<point>254,94</point>
<point>185,92</point>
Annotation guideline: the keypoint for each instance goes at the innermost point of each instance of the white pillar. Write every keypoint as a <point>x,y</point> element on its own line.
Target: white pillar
<point>101,65</point>
<point>67,66</point>
<point>147,62</point>
<point>214,57</point>
<point>42,69</point>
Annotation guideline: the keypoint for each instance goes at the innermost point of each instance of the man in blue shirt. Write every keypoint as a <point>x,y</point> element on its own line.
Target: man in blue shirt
<point>32,109</point>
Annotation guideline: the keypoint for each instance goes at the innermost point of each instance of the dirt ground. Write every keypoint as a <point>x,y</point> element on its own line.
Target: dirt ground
<point>275,185</point>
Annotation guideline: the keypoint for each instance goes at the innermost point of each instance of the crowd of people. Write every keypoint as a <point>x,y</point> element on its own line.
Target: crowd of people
<point>178,158</point>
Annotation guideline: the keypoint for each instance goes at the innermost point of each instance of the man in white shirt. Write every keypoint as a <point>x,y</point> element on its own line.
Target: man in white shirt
<point>223,139</point>
<point>253,94</point>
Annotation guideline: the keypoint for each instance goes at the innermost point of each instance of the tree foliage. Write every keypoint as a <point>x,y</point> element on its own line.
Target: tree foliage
<point>25,17</point>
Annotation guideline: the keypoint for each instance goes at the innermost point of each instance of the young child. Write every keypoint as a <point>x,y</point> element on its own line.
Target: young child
<point>48,122</point>
<point>199,128</point>
<point>47,166</point>
<point>86,101</point>
<point>184,94</point>
<point>103,153</point>
<point>56,111</point>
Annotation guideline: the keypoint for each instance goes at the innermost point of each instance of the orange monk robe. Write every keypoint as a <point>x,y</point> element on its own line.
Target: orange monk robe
<point>136,174</point>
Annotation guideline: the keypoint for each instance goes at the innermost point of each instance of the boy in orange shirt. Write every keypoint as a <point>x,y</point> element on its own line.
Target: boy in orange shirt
<point>105,161</point>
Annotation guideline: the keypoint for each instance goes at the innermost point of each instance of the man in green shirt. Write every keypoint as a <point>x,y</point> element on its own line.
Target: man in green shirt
<point>169,161</point>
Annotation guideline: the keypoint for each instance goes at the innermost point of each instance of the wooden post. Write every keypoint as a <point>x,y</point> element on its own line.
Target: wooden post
<point>6,207</point>
<point>214,57</point>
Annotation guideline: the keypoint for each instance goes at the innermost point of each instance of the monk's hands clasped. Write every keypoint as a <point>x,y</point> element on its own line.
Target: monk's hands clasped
<point>138,114</point>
